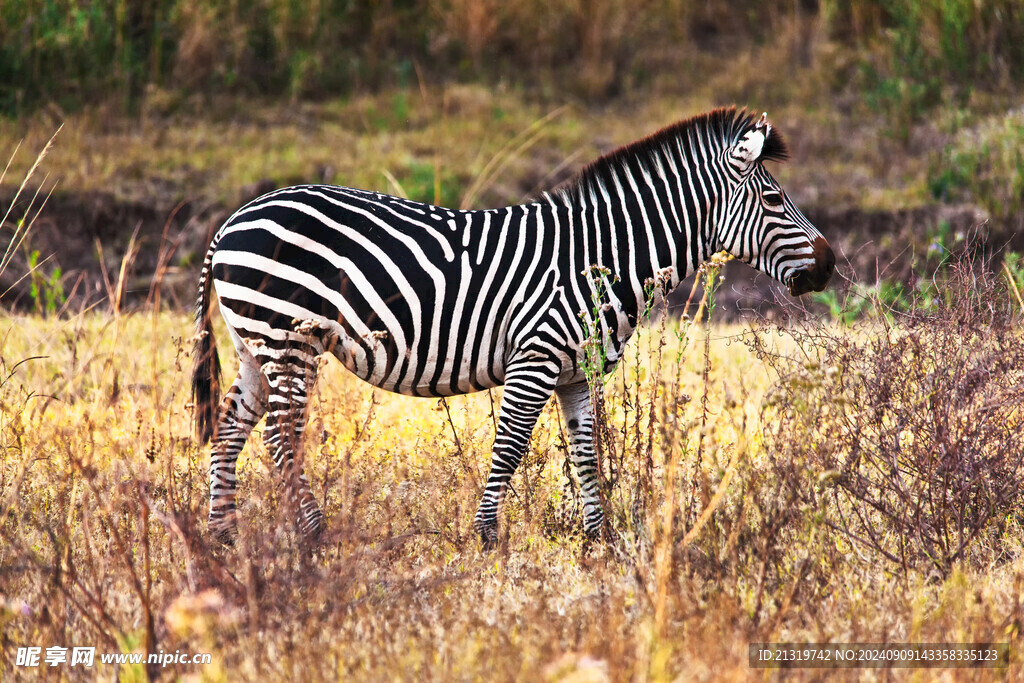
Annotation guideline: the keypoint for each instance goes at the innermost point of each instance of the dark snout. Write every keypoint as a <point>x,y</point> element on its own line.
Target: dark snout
<point>815,277</point>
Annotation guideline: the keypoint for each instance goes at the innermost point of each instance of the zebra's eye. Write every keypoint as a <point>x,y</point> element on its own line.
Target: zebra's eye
<point>772,198</point>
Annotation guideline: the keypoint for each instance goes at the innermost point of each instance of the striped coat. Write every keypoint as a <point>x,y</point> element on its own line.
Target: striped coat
<point>429,301</point>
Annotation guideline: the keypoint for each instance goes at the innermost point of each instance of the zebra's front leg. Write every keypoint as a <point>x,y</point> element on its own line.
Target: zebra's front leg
<point>241,408</point>
<point>286,423</point>
<point>527,388</point>
<point>578,413</point>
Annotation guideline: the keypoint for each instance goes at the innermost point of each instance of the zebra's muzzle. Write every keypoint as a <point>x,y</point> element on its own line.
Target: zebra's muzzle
<point>816,277</point>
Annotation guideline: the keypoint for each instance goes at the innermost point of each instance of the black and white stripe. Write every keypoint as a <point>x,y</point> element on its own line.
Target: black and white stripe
<point>428,301</point>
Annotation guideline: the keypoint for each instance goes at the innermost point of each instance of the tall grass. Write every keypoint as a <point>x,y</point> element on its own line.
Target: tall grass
<point>103,491</point>
<point>906,436</point>
<point>69,52</point>
<point>924,53</point>
<point>15,231</point>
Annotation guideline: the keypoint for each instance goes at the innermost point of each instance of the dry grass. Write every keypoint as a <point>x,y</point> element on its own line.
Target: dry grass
<point>908,436</point>
<point>103,496</point>
<point>213,157</point>
<point>450,135</point>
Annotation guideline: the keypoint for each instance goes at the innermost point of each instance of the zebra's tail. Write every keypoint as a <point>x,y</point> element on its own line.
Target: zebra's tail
<point>206,368</point>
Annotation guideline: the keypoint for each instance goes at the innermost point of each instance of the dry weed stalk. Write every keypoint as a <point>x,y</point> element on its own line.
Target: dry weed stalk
<point>23,227</point>
<point>665,536</point>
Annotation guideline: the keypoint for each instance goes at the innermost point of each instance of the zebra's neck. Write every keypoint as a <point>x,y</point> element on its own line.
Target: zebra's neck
<point>643,213</point>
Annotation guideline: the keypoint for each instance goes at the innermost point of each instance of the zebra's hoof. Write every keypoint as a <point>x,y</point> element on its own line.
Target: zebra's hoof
<point>489,539</point>
<point>593,535</point>
<point>313,529</point>
<point>226,536</point>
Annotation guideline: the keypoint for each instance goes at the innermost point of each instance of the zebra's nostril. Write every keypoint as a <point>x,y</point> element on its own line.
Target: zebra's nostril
<point>816,277</point>
<point>799,283</point>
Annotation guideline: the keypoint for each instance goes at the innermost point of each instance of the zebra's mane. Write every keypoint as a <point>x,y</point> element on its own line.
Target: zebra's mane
<point>721,127</point>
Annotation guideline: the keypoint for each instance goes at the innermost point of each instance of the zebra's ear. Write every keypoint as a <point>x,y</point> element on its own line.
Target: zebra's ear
<point>749,148</point>
<point>764,125</point>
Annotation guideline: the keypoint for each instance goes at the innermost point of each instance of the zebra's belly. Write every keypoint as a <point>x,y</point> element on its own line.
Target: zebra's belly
<point>399,362</point>
<point>404,371</point>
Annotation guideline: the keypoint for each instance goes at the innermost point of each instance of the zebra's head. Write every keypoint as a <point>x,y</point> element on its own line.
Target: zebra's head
<point>759,223</point>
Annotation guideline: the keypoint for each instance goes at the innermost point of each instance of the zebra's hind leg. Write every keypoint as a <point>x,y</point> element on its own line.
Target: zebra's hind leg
<point>241,408</point>
<point>291,379</point>
<point>528,386</point>
<point>578,413</point>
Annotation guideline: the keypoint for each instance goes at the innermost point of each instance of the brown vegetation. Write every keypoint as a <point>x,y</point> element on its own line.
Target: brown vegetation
<point>729,514</point>
<point>906,435</point>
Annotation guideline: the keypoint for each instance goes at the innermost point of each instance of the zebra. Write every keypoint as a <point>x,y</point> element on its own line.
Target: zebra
<point>428,301</point>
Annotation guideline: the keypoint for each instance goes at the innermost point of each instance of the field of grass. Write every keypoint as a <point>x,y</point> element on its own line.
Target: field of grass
<point>103,495</point>
<point>854,482</point>
<point>460,144</point>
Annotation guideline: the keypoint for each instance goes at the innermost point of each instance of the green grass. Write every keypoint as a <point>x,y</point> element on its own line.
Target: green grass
<point>984,163</point>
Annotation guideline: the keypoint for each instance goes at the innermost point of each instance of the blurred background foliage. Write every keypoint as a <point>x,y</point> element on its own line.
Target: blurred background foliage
<point>906,116</point>
<point>905,56</point>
